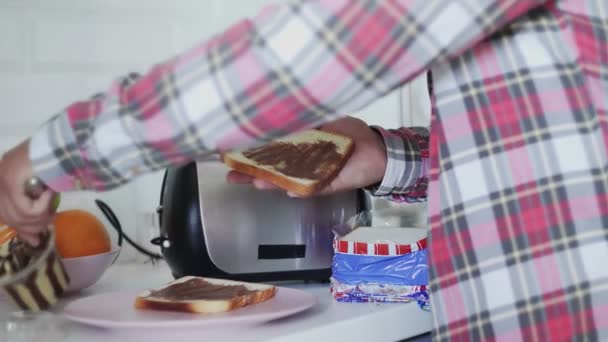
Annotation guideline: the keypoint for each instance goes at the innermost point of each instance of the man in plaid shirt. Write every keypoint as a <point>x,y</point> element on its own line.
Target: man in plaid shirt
<point>518,173</point>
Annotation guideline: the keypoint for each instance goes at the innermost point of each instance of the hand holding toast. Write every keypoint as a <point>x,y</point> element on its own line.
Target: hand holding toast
<point>365,166</point>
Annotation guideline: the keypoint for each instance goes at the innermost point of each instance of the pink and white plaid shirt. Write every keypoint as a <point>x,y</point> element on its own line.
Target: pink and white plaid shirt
<point>519,165</point>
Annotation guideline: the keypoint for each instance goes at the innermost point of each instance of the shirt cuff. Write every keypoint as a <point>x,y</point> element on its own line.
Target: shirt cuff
<point>55,156</point>
<point>407,162</point>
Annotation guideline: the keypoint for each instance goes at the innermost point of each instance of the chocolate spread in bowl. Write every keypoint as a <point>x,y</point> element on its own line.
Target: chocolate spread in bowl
<point>197,289</point>
<point>33,277</point>
<point>304,160</point>
<point>17,255</point>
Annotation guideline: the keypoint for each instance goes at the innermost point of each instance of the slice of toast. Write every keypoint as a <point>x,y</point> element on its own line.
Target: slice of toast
<point>204,295</point>
<point>302,163</point>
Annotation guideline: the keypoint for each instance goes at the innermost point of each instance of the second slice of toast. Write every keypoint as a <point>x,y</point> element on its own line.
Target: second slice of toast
<point>302,163</point>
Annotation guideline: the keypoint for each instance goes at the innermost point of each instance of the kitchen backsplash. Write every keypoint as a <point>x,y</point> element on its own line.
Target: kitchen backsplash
<point>53,53</point>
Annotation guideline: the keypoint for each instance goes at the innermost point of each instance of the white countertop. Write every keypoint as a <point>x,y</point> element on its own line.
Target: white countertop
<point>328,320</point>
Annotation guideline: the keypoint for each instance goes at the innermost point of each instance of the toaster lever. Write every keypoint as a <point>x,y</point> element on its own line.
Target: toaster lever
<point>161,241</point>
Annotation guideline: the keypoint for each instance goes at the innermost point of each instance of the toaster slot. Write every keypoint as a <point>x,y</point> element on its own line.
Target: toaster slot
<point>281,251</point>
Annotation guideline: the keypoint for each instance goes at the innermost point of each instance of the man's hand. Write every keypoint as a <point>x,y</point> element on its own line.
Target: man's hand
<point>366,165</point>
<point>28,216</point>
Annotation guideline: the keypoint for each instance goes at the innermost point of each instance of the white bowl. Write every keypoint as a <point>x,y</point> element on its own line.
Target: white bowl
<point>86,271</point>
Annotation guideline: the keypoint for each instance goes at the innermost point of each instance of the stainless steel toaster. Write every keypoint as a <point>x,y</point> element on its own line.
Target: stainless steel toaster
<point>211,228</point>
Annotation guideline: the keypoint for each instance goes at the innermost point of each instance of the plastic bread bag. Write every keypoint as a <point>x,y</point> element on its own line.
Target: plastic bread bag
<point>364,292</point>
<point>383,278</point>
<point>380,263</point>
<point>409,269</point>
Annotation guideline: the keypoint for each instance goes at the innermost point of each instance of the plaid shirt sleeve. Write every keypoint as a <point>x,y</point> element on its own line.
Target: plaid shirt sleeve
<point>406,175</point>
<point>293,67</point>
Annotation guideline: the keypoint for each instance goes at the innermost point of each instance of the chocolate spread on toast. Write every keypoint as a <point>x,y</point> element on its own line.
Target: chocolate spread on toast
<point>197,289</point>
<point>304,160</point>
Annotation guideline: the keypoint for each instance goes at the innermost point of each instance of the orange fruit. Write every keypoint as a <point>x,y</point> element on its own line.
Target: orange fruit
<point>79,233</point>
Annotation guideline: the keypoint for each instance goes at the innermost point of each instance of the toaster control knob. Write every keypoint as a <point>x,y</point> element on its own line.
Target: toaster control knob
<point>161,241</point>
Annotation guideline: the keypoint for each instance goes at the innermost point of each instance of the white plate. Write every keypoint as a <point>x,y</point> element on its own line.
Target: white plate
<point>116,310</point>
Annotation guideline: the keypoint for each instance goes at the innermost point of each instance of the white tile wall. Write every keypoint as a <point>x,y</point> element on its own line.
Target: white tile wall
<point>12,42</point>
<point>30,99</point>
<point>104,43</point>
<point>55,52</point>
